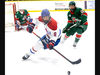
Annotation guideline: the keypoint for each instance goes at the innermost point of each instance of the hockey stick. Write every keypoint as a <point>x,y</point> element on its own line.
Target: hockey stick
<point>75,62</point>
<point>73,25</point>
<point>70,27</point>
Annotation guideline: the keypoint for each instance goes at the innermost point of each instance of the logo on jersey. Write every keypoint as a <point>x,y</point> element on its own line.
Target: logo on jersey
<point>24,17</point>
<point>73,18</point>
<point>48,32</point>
<point>69,15</point>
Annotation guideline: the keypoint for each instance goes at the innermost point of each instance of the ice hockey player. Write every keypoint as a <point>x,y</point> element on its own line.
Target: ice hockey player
<point>75,16</point>
<point>22,18</point>
<point>52,36</point>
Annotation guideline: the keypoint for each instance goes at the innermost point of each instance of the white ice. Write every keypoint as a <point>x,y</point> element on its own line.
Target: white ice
<point>48,62</point>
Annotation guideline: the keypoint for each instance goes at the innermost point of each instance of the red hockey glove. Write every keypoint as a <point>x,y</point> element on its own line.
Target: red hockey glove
<point>51,44</point>
<point>30,27</point>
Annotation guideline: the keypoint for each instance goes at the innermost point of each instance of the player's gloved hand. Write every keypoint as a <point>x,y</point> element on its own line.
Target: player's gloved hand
<point>65,30</point>
<point>29,19</point>
<point>77,21</point>
<point>51,44</point>
<point>18,24</point>
<point>30,27</point>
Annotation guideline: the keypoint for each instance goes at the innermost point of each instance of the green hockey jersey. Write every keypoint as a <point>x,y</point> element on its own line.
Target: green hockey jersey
<point>22,17</point>
<point>77,14</point>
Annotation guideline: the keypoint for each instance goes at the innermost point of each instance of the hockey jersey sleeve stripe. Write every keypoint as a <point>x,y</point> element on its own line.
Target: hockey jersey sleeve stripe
<point>85,14</point>
<point>28,14</point>
<point>59,32</point>
<point>70,21</point>
<point>86,23</point>
<point>16,18</point>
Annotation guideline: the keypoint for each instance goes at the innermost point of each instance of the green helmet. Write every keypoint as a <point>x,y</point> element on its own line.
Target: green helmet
<point>72,3</point>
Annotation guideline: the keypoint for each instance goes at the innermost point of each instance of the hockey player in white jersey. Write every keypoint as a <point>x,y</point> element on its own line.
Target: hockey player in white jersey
<point>52,36</point>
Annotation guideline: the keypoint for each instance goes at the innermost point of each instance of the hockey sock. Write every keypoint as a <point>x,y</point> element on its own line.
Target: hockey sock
<point>32,51</point>
<point>77,38</point>
<point>64,38</point>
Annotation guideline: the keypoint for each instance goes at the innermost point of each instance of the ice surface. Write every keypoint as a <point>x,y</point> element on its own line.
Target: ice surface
<point>48,62</point>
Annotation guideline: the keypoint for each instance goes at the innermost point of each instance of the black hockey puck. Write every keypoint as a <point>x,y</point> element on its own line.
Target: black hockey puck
<point>68,72</point>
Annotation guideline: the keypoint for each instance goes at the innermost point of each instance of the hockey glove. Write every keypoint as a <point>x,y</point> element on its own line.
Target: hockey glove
<point>65,30</point>
<point>29,19</point>
<point>18,24</point>
<point>51,45</point>
<point>77,21</point>
<point>30,27</point>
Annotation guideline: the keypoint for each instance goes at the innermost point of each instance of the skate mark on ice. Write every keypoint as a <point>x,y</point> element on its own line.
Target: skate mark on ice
<point>33,61</point>
<point>50,60</point>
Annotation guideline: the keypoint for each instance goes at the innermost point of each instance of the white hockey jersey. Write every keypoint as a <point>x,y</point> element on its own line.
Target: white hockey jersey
<point>52,30</point>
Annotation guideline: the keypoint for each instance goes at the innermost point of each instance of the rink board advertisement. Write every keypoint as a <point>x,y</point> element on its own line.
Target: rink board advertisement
<point>64,5</point>
<point>90,4</point>
<point>61,5</point>
<point>50,5</point>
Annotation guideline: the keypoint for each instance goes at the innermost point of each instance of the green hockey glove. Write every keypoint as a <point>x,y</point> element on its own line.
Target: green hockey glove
<point>64,30</point>
<point>77,22</point>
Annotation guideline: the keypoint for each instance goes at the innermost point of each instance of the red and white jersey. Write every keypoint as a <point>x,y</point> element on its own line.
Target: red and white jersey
<point>52,30</point>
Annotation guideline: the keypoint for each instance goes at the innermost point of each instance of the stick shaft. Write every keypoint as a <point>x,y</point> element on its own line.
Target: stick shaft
<point>70,27</point>
<point>53,48</point>
<point>62,55</point>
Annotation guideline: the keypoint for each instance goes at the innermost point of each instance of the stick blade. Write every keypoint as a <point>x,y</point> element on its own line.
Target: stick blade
<point>77,62</point>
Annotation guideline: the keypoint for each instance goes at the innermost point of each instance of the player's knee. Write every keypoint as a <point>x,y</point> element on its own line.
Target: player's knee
<point>79,30</point>
<point>38,45</point>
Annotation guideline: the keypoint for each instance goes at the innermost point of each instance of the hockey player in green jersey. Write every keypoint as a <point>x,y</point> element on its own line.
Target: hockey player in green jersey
<point>75,16</point>
<point>22,18</point>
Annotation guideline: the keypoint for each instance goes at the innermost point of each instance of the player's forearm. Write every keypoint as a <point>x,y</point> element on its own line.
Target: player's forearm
<point>83,19</point>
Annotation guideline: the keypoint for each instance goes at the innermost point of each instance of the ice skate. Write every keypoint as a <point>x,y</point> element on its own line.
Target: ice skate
<point>25,56</point>
<point>75,44</point>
